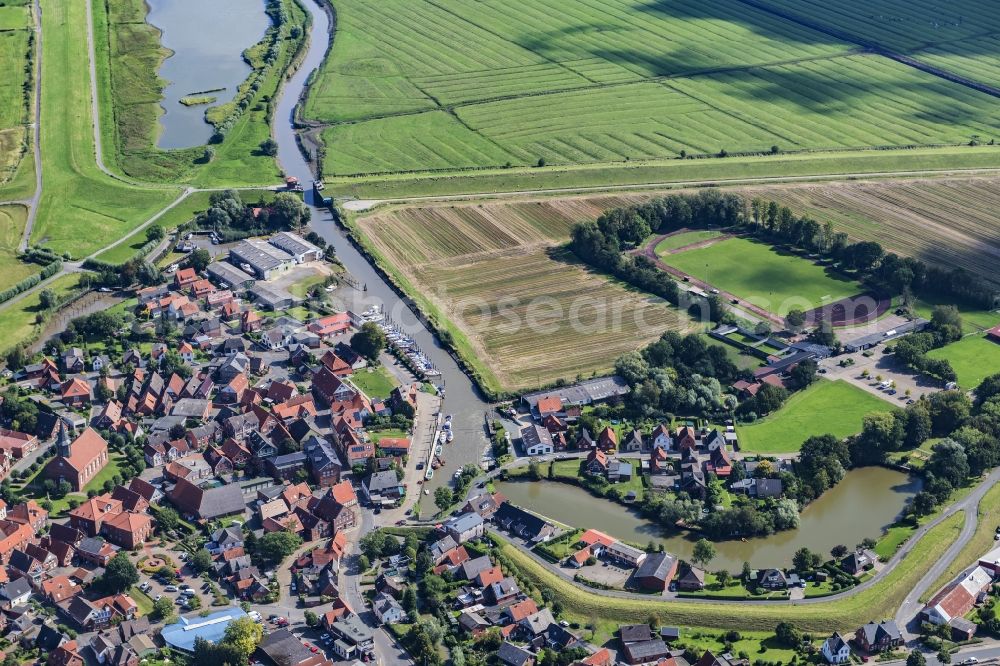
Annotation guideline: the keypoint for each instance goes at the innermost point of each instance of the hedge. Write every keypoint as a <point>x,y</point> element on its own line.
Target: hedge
<point>30,281</point>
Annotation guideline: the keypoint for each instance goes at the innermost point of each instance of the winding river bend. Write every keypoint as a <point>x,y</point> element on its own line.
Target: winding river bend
<point>462,398</point>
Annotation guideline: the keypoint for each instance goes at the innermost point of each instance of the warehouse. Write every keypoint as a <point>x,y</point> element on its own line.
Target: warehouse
<point>229,275</point>
<point>300,249</point>
<point>262,259</point>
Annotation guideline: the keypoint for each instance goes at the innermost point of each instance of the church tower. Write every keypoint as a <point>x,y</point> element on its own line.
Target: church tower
<point>63,441</point>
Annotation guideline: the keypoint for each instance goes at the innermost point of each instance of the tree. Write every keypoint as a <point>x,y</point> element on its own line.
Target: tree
<point>723,577</point>
<point>409,601</point>
<point>916,658</point>
<point>276,546</point>
<point>373,544</point>
<point>703,553</point>
<point>208,155</point>
<point>162,609</point>
<point>48,299</point>
<point>944,656</point>
<point>443,497</point>
<point>201,560</point>
<point>167,519</point>
<point>155,232</point>
<point>269,147</point>
<point>243,636</point>
<point>795,318</point>
<point>803,374</point>
<point>787,634</point>
<point>311,618</point>
<point>369,341</point>
<point>838,551</point>
<point>804,560</point>
<point>199,259</point>
<point>120,574</point>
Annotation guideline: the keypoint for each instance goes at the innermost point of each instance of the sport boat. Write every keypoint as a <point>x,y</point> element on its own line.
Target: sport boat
<point>451,436</point>
<point>429,475</point>
<point>438,449</point>
<point>443,437</point>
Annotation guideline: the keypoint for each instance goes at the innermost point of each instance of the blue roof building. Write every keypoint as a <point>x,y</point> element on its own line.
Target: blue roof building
<point>182,634</point>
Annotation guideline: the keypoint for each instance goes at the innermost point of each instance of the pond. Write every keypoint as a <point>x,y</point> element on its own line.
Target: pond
<point>862,505</point>
<point>207,39</point>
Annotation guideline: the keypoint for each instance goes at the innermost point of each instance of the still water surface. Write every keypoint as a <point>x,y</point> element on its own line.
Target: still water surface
<point>207,38</point>
<point>862,505</point>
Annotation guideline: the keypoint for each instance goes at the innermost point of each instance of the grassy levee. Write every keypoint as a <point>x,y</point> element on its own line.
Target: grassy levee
<point>129,53</point>
<point>21,185</point>
<point>879,600</point>
<point>665,172</point>
<point>982,541</point>
<point>81,208</point>
<point>19,321</point>
<point>16,61</point>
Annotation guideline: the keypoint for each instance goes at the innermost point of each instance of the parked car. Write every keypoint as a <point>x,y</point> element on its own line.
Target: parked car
<point>170,588</point>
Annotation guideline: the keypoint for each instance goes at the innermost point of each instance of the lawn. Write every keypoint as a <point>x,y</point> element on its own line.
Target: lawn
<point>18,320</point>
<point>771,279</point>
<point>974,358</point>
<point>684,239</point>
<point>14,52</point>
<point>880,600</point>
<point>375,382</point>
<point>12,221</point>
<point>378,435</point>
<point>303,286</point>
<point>106,474</point>
<point>836,408</point>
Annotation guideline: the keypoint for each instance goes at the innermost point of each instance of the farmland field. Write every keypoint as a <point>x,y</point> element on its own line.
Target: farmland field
<point>956,218</point>
<point>522,311</point>
<point>763,276</point>
<point>826,407</point>
<point>974,358</point>
<point>419,85</point>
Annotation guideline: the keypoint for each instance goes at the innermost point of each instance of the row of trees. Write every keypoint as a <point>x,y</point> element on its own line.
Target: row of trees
<point>945,327</point>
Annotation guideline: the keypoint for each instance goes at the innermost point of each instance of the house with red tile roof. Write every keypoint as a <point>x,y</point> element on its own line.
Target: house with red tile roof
<point>127,529</point>
<point>17,443</point>
<point>336,365</point>
<point>184,278</point>
<point>75,392</point>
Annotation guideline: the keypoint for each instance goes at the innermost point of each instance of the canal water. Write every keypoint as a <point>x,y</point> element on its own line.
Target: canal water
<point>207,38</point>
<point>462,399</point>
<point>862,505</point>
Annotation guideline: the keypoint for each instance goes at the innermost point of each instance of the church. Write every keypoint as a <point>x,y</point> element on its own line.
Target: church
<point>78,461</point>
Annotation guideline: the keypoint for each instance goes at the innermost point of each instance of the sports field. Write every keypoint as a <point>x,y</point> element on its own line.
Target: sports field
<point>775,281</point>
<point>684,239</point>
<point>827,407</point>
<point>523,313</point>
<point>974,358</point>
<point>414,85</point>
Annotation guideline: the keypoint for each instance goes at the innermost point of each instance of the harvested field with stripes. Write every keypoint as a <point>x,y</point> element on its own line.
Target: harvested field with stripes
<point>525,312</point>
<point>950,222</point>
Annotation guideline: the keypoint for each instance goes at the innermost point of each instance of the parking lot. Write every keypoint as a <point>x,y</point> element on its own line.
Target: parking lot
<point>883,365</point>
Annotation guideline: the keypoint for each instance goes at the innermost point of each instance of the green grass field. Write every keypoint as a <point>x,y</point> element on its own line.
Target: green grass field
<point>684,239</point>
<point>15,21</point>
<point>826,407</point>
<point>422,85</point>
<point>375,382</point>
<point>18,320</point>
<point>764,276</point>
<point>974,358</point>
<point>12,221</point>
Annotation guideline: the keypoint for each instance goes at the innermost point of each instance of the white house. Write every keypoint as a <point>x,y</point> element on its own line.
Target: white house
<point>836,650</point>
<point>388,610</point>
<point>661,439</point>
<point>537,440</point>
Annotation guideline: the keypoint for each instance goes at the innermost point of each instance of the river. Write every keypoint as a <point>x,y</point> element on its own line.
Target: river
<point>862,505</point>
<point>462,398</point>
<point>207,56</point>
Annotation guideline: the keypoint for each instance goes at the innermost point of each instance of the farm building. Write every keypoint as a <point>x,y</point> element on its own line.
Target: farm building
<point>229,275</point>
<point>994,333</point>
<point>957,599</point>
<point>584,393</point>
<point>537,441</point>
<point>265,261</point>
<point>300,249</point>
<point>656,571</point>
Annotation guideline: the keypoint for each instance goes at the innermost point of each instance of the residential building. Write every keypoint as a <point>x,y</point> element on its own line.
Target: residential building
<point>876,637</point>
<point>536,440</point>
<point>836,650</point>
